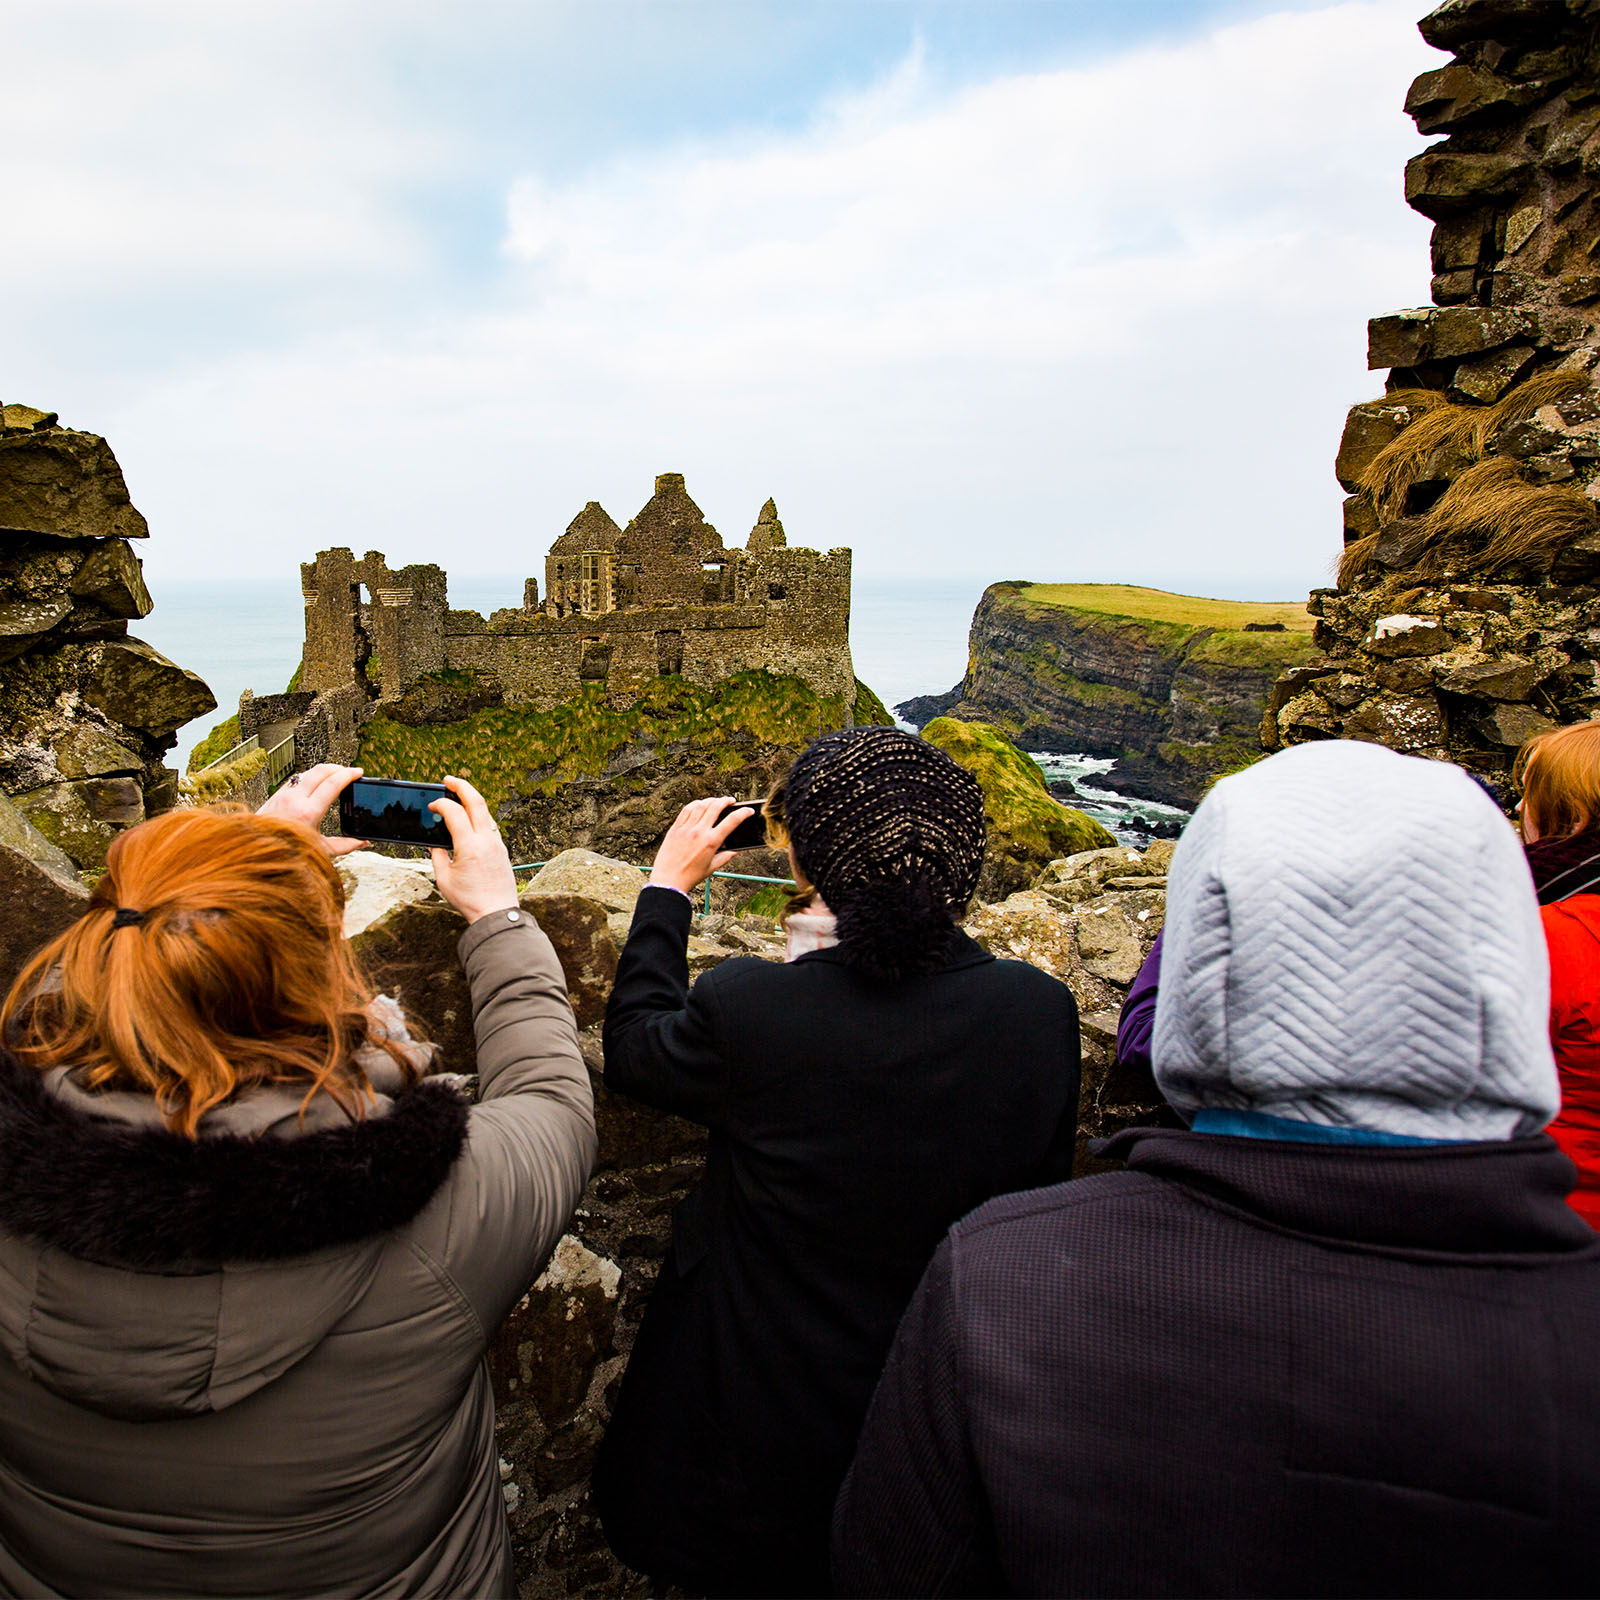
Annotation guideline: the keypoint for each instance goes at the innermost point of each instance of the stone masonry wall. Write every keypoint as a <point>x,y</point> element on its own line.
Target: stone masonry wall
<point>87,713</point>
<point>1466,617</point>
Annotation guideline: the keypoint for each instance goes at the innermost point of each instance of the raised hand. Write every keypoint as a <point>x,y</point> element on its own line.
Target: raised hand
<point>308,796</point>
<point>475,874</point>
<point>692,849</point>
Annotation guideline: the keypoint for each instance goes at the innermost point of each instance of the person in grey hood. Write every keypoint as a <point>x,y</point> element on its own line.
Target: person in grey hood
<point>1336,1337</point>
<point>250,1255</point>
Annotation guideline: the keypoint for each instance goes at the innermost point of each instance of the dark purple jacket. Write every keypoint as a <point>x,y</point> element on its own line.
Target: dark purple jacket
<point>1246,1367</point>
<point>1136,1026</point>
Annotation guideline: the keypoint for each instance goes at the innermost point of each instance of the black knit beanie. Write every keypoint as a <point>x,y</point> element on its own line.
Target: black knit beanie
<point>891,832</point>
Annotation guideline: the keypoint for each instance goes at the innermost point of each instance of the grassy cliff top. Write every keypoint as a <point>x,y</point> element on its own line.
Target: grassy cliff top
<point>1158,605</point>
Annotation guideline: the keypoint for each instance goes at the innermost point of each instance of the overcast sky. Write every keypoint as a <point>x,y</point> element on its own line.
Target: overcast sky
<point>1062,289</point>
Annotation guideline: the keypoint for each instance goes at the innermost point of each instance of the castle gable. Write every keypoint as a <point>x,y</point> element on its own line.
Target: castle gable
<point>768,532</point>
<point>669,554</point>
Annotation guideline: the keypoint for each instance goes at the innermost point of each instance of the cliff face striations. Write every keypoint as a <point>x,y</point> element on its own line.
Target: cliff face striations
<point>1173,686</point>
<point>1467,613</point>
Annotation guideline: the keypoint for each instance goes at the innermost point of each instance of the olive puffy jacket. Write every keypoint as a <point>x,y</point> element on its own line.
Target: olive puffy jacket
<point>252,1364</point>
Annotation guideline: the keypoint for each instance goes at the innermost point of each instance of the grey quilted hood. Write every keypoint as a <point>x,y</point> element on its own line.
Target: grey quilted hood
<point>1352,939</point>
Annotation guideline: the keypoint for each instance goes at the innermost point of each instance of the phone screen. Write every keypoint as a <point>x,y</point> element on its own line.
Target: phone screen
<point>394,811</point>
<point>751,834</point>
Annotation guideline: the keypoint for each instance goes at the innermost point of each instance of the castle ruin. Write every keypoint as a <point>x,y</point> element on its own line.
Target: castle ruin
<point>621,607</point>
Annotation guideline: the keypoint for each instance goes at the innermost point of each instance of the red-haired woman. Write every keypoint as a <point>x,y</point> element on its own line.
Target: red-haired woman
<point>1560,776</point>
<point>249,1257</point>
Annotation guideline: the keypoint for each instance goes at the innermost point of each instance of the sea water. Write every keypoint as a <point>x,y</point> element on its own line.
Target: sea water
<point>907,638</point>
<point>1135,822</point>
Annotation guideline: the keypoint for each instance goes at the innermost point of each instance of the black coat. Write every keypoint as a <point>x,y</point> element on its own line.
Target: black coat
<point>852,1121</point>
<point>1246,1368</point>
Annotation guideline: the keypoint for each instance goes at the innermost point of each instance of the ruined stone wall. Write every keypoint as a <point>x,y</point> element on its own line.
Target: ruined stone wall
<point>807,599</point>
<point>87,713</point>
<point>622,607</point>
<point>1466,617</point>
<point>365,623</point>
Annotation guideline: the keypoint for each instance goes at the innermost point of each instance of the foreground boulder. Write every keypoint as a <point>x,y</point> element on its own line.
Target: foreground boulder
<point>613,884</point>
<point>375,885</point>
<point>41,893</point>
<point>1090,920</point>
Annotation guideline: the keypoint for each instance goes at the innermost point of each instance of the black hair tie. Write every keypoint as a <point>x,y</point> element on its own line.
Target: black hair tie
<point>125,918</point>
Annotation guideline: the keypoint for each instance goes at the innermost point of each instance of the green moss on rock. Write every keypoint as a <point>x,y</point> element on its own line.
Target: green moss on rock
<point>510,750</point>
<point>1028,827</point>
<point>869,709</point>
<point>226,780</point>
<point>218,742</point>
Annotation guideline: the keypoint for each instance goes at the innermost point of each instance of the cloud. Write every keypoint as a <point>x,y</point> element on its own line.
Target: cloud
<point>1088,321</point>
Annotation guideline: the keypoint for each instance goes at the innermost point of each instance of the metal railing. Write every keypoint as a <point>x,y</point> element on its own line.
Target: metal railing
<point>241,749</point>
<point>742,877</point>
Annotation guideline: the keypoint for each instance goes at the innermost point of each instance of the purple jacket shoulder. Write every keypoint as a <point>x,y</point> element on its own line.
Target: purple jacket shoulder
<point>1137,1025</point>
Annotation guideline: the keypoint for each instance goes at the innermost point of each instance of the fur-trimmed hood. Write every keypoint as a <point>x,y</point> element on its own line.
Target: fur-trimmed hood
<point>146,1274</point>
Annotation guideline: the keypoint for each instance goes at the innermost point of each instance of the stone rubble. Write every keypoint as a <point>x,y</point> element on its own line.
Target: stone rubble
<point>41,893</point>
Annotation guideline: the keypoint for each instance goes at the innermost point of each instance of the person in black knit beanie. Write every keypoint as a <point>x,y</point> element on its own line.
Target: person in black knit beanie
<point>891,832</point>
<point>860,1098</point>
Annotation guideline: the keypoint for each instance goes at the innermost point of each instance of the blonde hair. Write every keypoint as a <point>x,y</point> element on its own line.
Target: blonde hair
<point>1559,773</point>
<point>772,811</point>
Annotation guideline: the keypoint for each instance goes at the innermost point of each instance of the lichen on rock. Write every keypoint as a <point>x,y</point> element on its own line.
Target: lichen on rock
<point>87,713</point>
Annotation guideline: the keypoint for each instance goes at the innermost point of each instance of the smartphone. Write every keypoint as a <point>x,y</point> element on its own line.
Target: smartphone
<point>393,811</point>
<point>751,834</point>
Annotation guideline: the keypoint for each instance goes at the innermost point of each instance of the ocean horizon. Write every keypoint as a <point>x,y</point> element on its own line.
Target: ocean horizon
<point>907,637</point>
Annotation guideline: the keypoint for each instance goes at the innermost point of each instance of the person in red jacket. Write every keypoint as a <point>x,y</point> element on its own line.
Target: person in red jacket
<point>1560,775</point>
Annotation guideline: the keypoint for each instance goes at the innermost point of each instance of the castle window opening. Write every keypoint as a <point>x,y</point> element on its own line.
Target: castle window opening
<point>595,660</point>
<point>594,584</point>
<point>669,652</point>
<point>366,658</point>
<point>776,591</point>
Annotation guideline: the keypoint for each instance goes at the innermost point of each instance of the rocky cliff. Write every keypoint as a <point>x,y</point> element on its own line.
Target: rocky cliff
<point>1173,686</point>
<point>87,713</point>
<point>1467,614</point>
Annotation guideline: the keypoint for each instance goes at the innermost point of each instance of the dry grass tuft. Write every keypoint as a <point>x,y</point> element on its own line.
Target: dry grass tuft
<point>1355,561</point>
<point>1466,429</point>
<point>1511,522</point>
<point>1489,518</point>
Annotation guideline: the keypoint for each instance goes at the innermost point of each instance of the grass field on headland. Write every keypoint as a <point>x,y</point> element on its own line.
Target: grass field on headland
<point>1157,605</point>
